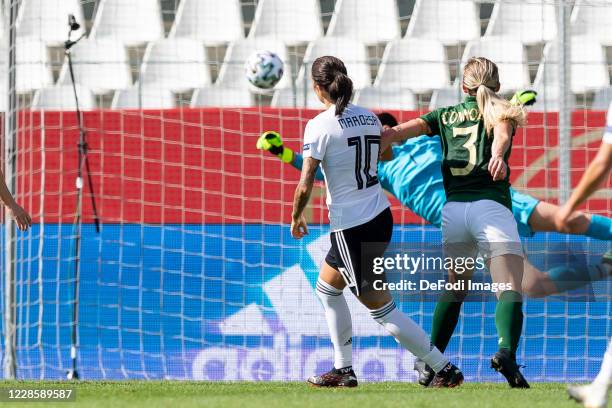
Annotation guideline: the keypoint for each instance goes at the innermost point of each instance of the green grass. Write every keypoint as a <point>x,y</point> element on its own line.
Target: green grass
<point>152,394</point>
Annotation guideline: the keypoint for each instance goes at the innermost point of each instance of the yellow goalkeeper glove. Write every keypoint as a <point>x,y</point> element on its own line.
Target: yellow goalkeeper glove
<point>526,97</point>
<point>271,141</point>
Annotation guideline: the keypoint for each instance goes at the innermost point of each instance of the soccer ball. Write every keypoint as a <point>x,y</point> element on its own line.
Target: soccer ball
<point>264,69</point>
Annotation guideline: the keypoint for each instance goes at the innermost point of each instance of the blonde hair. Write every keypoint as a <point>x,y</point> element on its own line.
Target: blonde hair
<point>481,75</point>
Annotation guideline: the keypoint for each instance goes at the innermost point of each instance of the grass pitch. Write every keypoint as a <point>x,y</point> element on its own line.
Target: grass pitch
<point>152,394</point>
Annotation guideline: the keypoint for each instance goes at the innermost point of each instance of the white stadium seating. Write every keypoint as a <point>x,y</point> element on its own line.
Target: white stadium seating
<point>446,97</point>
<point>592,18</point>
<point>219,96</point>
<point>32,71</point>
<point>527,21</point>
<point>386,98</point>
<point>33,67</point>
<point>292,22</point>
<point>589,71</point>
<point>365,20</point>
<point>300,97</point>
<point>352,52</point>
<point>509,56</point>
<point>143,97</point>
<point>231,74</point>
<point>413,63</point>
<point>3,29</point>
<point>175,64</point>
<point>211,21</point>
<point>47,20</point>
<point>62,98</point>
<point>132,22</point>
<point>448,21</point>
<point>101,66</point>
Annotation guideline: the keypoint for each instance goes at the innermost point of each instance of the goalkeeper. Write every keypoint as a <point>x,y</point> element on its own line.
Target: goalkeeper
<point>412,173</point>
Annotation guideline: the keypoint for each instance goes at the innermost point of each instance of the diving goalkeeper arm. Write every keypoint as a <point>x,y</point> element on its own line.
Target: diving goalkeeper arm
<point>271,141</point>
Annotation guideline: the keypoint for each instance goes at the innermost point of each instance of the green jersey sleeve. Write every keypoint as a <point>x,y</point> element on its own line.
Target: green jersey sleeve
<point>433,121</point>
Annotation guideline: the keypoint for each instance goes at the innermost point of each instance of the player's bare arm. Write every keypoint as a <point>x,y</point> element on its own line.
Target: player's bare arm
<point>301,196</point>
<point>404,131</point>
<point>502,139</point>
<point>386,155</point>
<point>21,217</point>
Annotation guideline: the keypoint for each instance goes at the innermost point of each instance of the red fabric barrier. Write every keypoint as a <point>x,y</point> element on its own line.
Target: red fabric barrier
<point>201,165</point>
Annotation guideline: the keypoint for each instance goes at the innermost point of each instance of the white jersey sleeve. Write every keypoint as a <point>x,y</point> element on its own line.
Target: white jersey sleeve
<point>348,147</point>
<point>607,138</point>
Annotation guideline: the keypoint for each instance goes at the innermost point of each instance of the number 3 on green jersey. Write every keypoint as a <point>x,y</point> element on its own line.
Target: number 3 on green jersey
<point>470,146</point>
<point>466,148</point>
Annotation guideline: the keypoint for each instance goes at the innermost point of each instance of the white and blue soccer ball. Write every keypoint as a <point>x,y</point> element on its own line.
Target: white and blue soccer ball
<point>264,69</point>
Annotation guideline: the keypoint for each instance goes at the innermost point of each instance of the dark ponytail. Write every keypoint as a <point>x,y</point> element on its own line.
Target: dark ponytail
<point>330,74</point>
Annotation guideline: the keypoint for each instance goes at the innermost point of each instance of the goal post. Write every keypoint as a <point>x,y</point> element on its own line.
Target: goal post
<point>565,101</point>
<point>9,363</point>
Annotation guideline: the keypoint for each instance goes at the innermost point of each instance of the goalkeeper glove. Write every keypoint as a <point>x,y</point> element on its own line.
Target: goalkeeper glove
<point>271,141</point>
<point>524,98</point>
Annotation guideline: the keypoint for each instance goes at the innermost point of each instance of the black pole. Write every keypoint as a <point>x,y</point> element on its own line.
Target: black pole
<point>83,161</point>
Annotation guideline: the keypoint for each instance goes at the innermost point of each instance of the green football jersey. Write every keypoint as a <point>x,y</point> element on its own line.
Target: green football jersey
<point>466,151</point>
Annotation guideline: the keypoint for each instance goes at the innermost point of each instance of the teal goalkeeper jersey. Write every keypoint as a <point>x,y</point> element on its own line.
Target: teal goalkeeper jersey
<point>414,177</point>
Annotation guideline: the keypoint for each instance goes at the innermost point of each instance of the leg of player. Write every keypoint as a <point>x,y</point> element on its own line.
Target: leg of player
<point>329,290</point>
<point>494,228</point>
<point>352,254</point>
<point>567,277</point>
<point>595,395</point>
<point>412,337</point>
<point>533,216</point>
<point>590,225</point>
<point>571,277</point>
<point>508,269</point>
<point>446,314</point>
<point>445,319</point>
<point>537,283</point>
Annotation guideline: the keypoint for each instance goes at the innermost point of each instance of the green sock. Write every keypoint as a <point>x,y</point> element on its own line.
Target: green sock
<point>509,320</point>
<point>445,318</point>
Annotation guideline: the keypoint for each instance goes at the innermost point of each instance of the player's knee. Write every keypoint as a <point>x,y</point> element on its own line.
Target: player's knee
<point>373,304</point>
<point>375,300</point>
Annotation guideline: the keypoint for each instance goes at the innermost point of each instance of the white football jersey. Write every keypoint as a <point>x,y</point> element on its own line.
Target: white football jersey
<point>348,147</point>
<point>608,131</point>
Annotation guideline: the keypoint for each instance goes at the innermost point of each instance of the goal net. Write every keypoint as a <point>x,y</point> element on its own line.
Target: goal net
<point>193,273</point>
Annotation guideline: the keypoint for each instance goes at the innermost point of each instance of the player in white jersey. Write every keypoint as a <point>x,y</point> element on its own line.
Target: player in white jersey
<point>338,142</point>
<point>594,395</point>
<point>345,140</point>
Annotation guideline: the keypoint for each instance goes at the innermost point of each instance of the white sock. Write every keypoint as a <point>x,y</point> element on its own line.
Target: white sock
<point>338,318</point>
<point>604,377</point>
<point>409,335</point>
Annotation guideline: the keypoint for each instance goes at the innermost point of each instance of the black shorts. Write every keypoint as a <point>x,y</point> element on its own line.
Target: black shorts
<point>353,251</point>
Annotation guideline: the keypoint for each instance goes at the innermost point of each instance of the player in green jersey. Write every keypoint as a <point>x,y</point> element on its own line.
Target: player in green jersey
<point>476,140</point>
